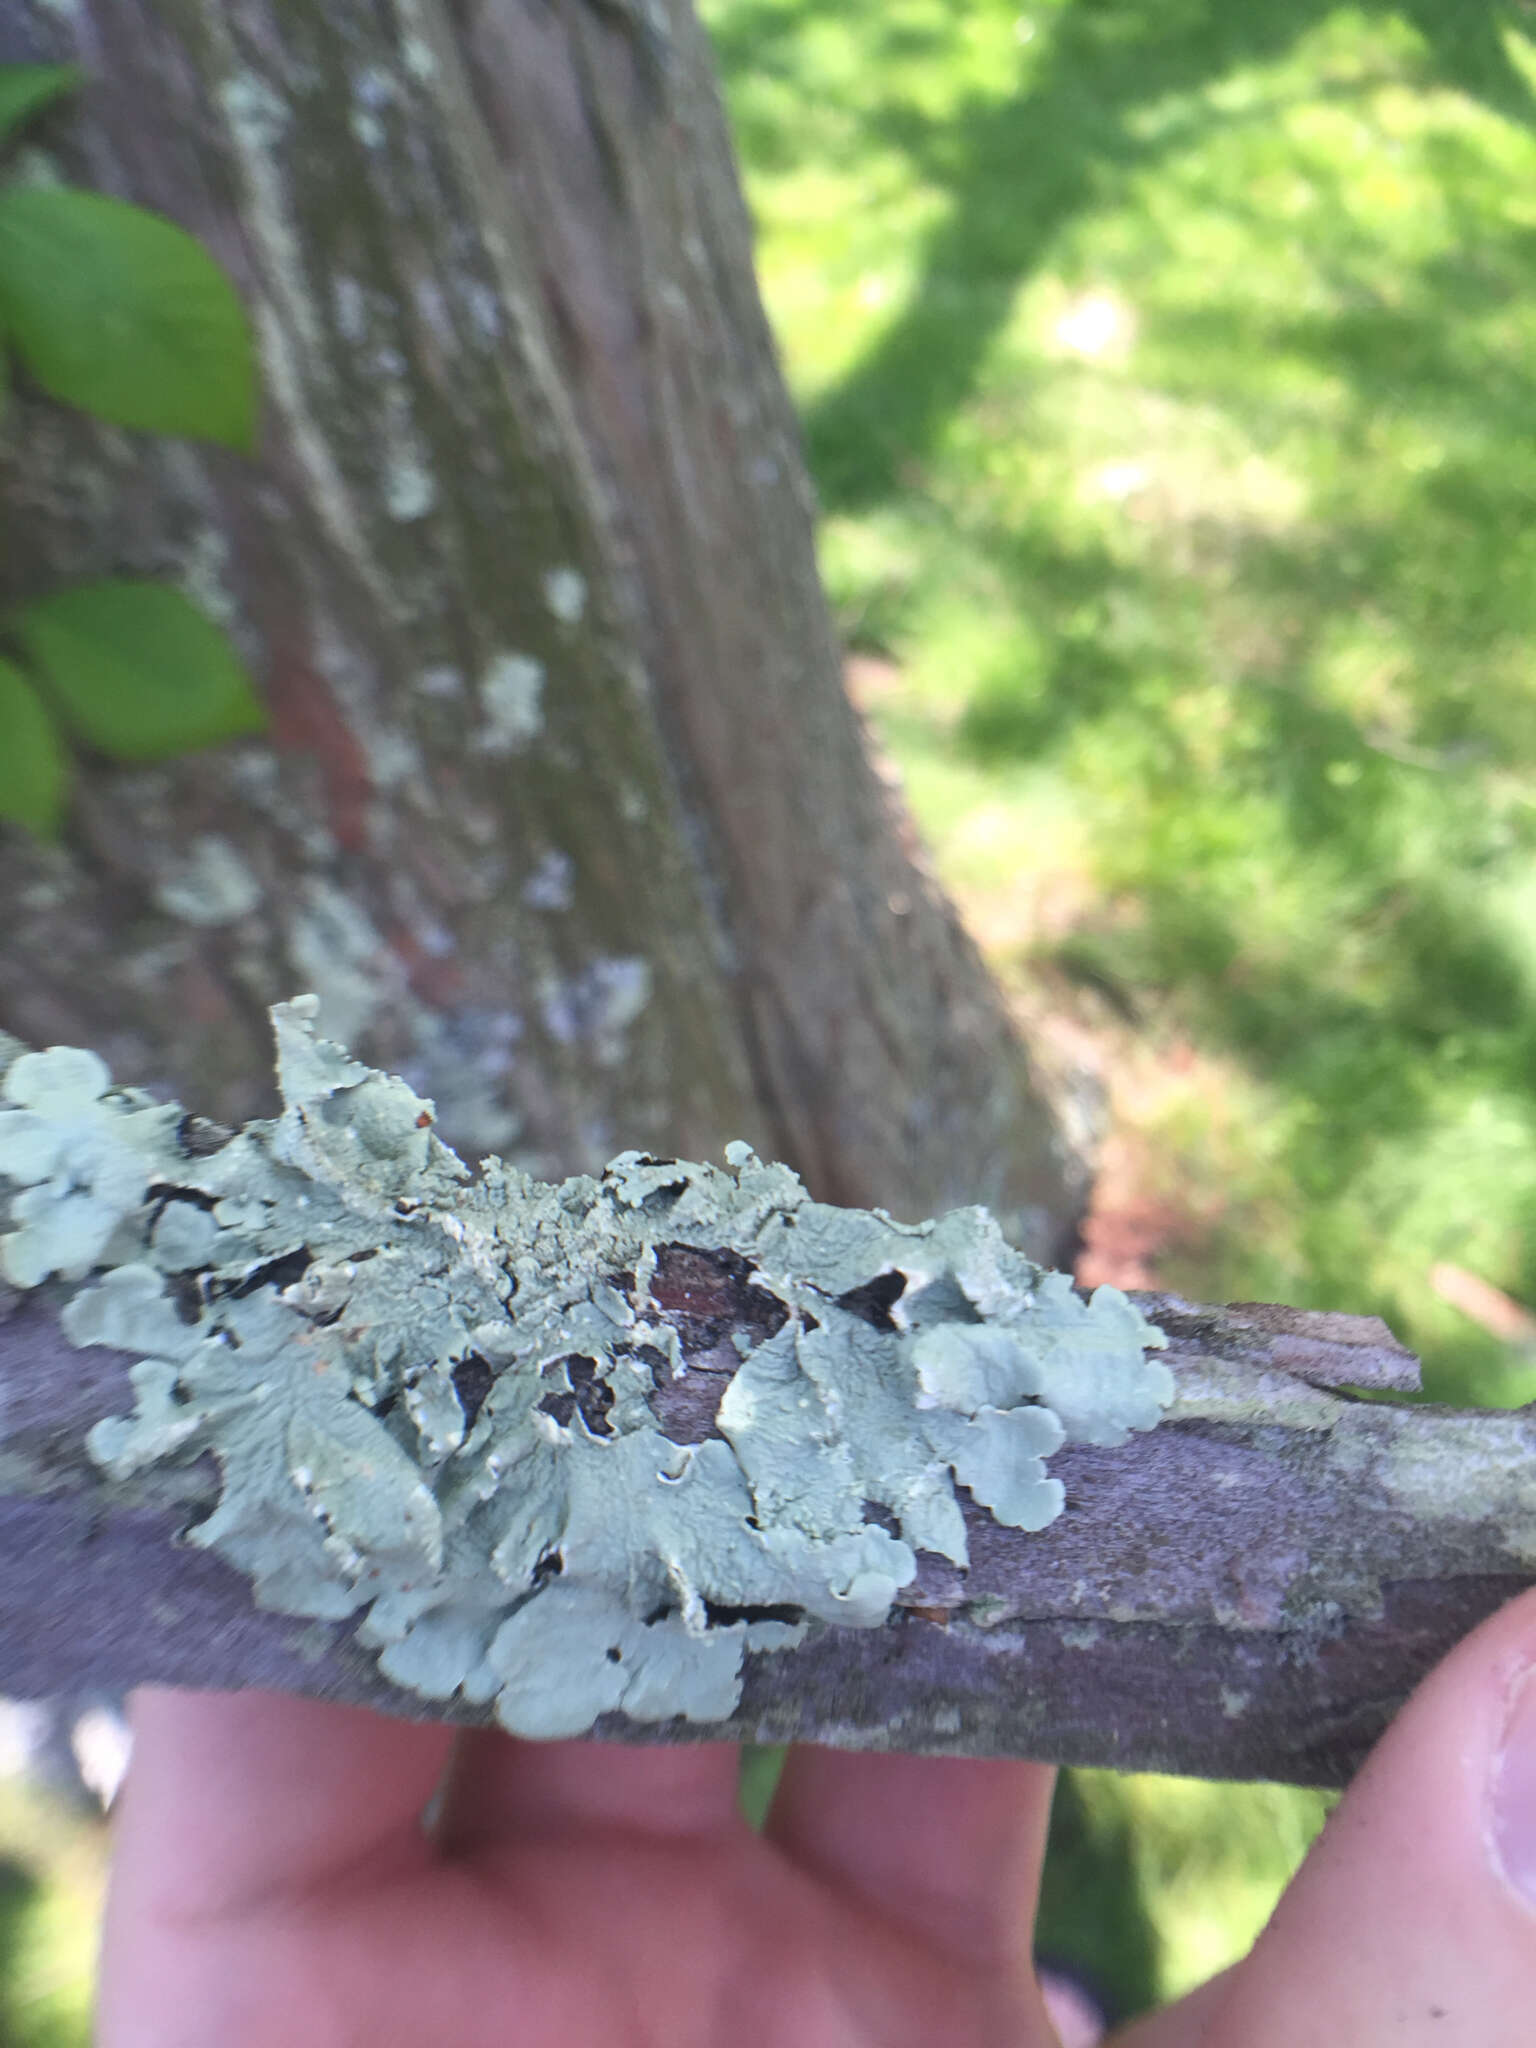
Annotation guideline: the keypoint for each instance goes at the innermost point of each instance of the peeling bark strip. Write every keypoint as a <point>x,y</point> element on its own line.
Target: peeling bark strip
<point>564,811</point>
<point>1250,1590</point>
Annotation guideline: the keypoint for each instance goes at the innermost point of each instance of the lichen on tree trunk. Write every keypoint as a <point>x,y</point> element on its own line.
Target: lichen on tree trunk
<point>563,810</point>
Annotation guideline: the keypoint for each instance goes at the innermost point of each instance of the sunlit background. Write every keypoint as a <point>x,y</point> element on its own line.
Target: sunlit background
<point>1169,378</point>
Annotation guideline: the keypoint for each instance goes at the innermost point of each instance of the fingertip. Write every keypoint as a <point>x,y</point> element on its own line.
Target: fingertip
<point>1414,1916</point>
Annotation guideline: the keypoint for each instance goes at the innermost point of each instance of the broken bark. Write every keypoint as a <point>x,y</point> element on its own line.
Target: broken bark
<point>1249,1590</point>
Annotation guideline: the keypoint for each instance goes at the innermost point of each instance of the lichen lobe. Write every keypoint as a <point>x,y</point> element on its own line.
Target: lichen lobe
<point>564,1449</point>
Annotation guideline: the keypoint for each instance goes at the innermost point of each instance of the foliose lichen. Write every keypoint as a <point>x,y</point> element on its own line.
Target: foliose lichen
<point>561,1448</point>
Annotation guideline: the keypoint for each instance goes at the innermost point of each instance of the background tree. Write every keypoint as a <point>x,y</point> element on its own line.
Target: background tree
<point>563,811</point>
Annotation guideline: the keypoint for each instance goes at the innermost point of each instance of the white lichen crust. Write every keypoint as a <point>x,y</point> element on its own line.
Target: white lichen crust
<point>443,1402</point>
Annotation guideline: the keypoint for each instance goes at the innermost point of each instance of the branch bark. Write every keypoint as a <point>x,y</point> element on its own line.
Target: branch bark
<point>1249,1590</point>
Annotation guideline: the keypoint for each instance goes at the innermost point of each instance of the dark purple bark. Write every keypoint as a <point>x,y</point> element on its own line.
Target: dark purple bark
<point>1250,1590</point>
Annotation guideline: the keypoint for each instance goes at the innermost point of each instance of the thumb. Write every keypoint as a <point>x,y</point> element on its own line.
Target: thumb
<point>1413,1920</point>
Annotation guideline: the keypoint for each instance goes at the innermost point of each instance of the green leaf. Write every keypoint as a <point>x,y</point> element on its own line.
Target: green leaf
<point>34,773</point>
<point>123,314</point>
<point>137,671</point>
<point>27,88</point>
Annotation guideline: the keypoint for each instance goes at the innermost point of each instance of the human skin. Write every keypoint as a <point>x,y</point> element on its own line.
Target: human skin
<point>274,1887</point>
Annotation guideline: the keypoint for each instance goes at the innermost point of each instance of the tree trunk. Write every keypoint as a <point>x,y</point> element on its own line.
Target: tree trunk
<point>563,812</point>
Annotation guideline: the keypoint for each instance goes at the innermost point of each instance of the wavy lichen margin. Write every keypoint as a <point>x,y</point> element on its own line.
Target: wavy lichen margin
<point>459,1405</point>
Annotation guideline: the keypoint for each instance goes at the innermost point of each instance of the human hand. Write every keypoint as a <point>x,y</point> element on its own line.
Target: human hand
<point>274,1887</point>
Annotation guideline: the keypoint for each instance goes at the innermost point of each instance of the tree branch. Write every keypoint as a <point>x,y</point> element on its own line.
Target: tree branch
<point>1248,1590</point>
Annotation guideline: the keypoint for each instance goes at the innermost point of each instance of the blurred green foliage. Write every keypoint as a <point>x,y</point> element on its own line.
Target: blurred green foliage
<point>117,311</point>
<point>52,1863</point>
<point>1154,1884</point>
<point>134,670</point>
<point>122,313</point>
<point>1167,370</point>
<point>25,89</point>
<point>1167,374</point>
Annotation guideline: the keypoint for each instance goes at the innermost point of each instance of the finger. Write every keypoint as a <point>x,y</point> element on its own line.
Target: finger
<point>1413,1920</point>
<point>951,1846</point>
<point>500,1790</point>
<point>232,1798</point>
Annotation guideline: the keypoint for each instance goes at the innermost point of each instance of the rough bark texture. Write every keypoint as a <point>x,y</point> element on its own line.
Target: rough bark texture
<point>1250,1590</point>
<point>522,408</point>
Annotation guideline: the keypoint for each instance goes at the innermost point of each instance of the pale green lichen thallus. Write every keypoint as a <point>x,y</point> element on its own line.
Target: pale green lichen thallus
<point>460,1406</point>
